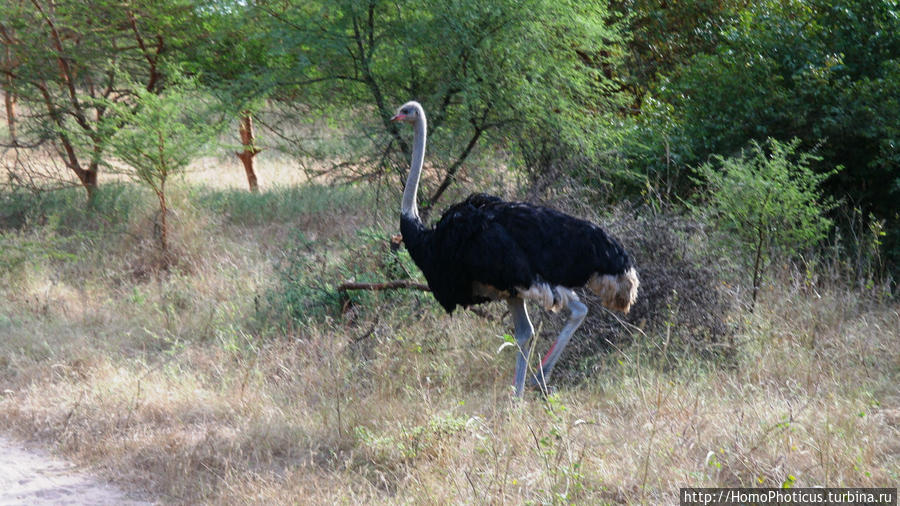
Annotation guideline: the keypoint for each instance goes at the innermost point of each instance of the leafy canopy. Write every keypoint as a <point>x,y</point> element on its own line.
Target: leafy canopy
<point>159,134</point>
<point>824,71</point>
<point>496,70</point>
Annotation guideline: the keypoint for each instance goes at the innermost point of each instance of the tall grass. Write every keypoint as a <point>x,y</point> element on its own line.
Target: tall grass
<point>66,211</point>
<point>287,204</point>
<point>203,384</point>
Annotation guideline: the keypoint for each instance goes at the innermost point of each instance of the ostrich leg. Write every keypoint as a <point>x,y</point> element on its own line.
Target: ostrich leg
<point>523,332</point>
<point>579,311</point>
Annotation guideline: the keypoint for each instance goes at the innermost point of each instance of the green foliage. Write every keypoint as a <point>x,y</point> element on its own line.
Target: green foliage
<point>822,71</point>
<point>56,228</point>
<point>18,251</point>
<point>64,68</point>
<point>407,443</point>
<point>66,212</point>
<point>235,58</point>
<point>619,97</point>
<point>302,290</point>
<point>307,277</point>
<point>767,200</point>
<point>289,204</point>
<point>160,133</point>
<point>482,69</point>
<point>667,34</point>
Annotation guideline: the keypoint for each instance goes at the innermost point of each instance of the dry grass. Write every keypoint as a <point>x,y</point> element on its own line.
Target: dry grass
<point>172,383</point>
<point>222,172</point>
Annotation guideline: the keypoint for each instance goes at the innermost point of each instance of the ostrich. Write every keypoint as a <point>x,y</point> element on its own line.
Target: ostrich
<point>485,249</point>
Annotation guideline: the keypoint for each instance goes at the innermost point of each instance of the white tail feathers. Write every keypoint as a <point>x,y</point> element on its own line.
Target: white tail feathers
<point>617,292</point>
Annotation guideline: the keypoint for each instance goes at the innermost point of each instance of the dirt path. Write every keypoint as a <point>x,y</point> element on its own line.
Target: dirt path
<point>35,478</point>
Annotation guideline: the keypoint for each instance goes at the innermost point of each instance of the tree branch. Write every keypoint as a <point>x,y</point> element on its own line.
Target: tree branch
<point>64,69</point>
<point>453,169</point>
<point>154,75</point>
<point>396,284</point>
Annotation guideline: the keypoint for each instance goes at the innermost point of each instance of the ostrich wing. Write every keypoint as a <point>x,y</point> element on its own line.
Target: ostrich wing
<point>469,246</point>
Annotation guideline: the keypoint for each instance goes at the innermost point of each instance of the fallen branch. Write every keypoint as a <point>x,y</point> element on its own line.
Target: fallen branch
<point>387,285</point>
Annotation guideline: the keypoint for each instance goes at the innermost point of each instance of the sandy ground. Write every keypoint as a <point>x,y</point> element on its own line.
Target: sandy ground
<point>35,478</point>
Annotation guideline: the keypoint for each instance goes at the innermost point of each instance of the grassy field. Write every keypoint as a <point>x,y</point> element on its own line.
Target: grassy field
<point>241,376</point>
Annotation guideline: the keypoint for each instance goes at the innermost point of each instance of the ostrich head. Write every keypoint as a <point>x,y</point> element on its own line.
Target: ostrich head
<point>409,112</point>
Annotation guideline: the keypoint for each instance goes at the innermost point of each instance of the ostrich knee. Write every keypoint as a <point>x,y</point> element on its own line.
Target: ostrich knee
<point>578,313</point>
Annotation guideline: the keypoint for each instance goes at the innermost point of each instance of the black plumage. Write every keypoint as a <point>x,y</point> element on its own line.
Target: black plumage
<point>507,246</point>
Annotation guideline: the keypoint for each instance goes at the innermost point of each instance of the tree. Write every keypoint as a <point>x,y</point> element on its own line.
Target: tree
<point>768,200</point>
<point>241,63</point>
<point>64,62</point>
<point>160,134</point>
<point>483,69</point>
<point>665,34</point>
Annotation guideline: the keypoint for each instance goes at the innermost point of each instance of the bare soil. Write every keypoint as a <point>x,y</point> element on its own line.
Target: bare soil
<point>35,478</point>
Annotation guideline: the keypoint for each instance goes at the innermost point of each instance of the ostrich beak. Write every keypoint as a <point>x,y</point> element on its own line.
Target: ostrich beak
<point>398,117</point>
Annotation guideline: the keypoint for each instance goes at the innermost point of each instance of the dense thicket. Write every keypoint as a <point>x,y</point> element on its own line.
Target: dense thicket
<point>826,72</point>
<point>627,97</point>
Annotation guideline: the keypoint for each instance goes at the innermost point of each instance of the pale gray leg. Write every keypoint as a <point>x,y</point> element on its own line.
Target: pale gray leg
<point>579,311</point>
<point>523,332</point>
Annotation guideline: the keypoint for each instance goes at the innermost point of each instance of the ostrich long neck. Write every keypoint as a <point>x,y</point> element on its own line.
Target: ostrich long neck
<point>408,206</point>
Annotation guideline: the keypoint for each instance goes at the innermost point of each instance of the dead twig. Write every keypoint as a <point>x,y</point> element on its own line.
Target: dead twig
<point>397,284</point>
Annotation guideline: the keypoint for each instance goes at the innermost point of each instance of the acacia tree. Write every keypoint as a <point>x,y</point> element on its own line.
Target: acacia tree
<point>237,63</point>
<point>64,62</point>
<point>160,134</point>
<point>482,69</point>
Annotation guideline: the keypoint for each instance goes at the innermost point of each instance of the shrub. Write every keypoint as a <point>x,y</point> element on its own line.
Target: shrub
<point>300,290</point>
<point>683,305</point>
<point>767,201</point>
<point>160,134</point>
<point>307,277</point>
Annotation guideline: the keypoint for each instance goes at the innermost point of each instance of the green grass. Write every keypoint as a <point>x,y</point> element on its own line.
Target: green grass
<point>66,210</point>
<point>280,204</point>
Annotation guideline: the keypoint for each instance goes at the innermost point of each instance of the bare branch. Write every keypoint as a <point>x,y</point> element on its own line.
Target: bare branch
<point>387,285</point>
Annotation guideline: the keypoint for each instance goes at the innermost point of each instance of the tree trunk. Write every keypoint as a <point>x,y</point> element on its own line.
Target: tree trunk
<point>756,267</point>
<point>9,99</point>
<point>88,178</point>
<point>10,102</point>
<point>249,151</point>
<point>387,285</point>
<point>163,224</point>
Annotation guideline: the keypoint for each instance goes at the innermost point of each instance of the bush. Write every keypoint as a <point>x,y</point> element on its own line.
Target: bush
<point>767,202</point>
<point>307,277</point>
<point>683,305</point>
<point>302,289</point>
<point>816,70</point>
